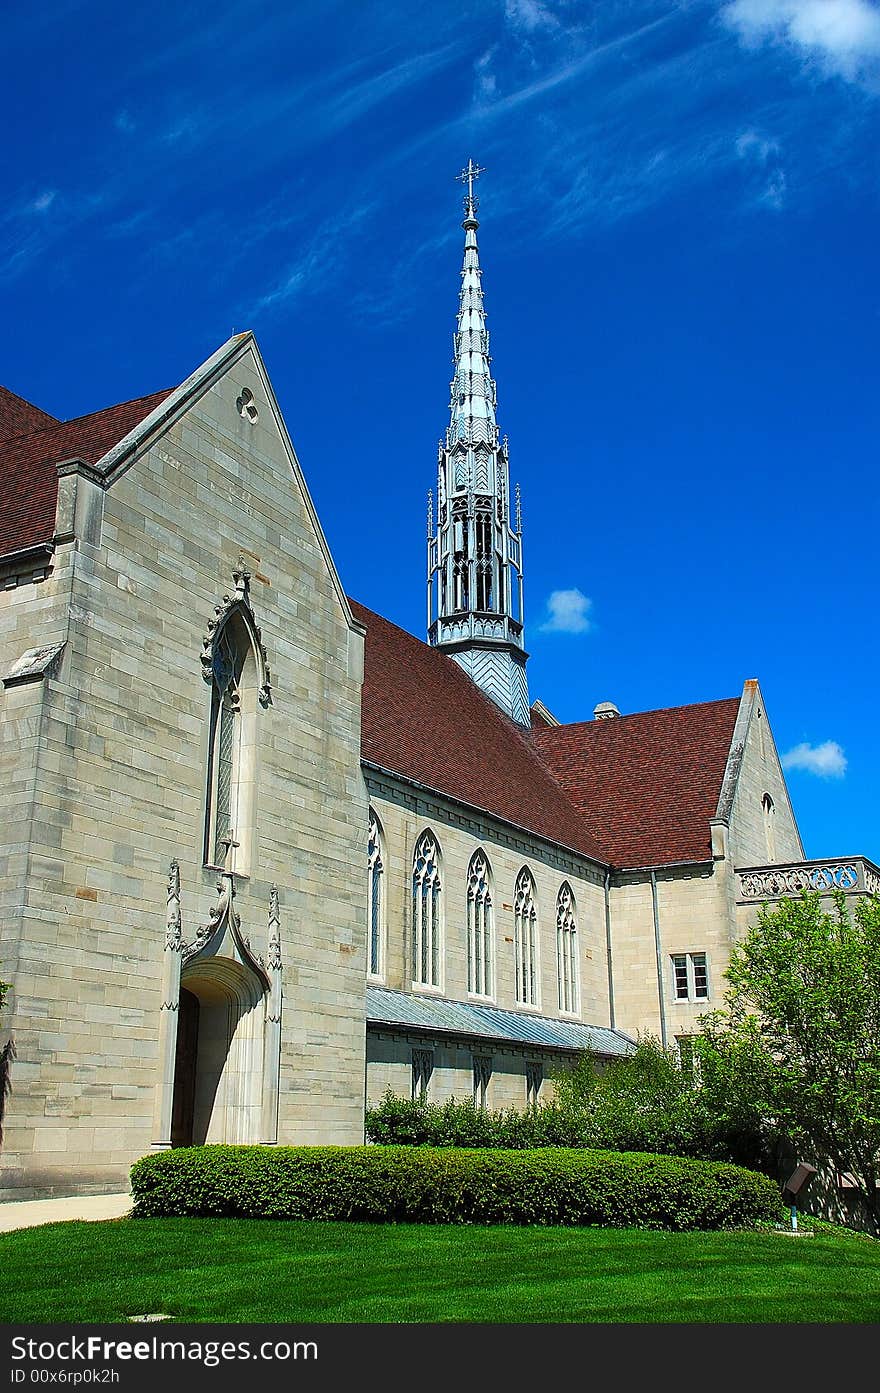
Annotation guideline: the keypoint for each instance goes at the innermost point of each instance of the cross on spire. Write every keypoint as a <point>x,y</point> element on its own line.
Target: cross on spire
<point>467,176</point>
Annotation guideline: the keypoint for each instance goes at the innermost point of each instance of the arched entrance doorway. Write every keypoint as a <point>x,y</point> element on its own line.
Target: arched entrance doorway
<point>218,1066</point>
<point>219,1028</point>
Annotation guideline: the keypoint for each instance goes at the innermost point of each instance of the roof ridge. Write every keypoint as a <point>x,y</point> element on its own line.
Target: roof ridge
<point>633,715</point>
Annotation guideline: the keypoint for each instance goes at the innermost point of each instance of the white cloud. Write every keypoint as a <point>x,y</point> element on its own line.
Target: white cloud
<point>826,760</point>
<point>486,81</point>
<point>753,145</point>
<point>567,613</point>
<point>842,35</point>
<point>43,201</point>
<point>529,15</point>
<point>763,154</point>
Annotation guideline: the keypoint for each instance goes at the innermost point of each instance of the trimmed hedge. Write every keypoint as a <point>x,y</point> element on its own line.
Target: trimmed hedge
<point>448,1186</point>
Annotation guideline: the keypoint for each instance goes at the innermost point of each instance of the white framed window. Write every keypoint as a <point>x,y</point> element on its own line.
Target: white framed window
<point>479,926</point>
<point>427,909</point>
<point>375,898</point>
<point>525,938</point>
<point>567,950</point>
<point>482,1078</point>
<point>690,977</point>
<point>534,1079</point>
<point>422,1069</point>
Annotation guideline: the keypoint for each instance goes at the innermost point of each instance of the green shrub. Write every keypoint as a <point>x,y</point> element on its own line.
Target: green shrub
<point>644,1102</point>
<point>457,1122</point>
<point>452,1186</point>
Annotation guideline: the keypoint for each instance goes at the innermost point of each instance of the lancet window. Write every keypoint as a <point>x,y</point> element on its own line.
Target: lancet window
<point>566,950</point>
<point>485,560</point>
<point>426,912</point>
<point>460,552</point>
<point>769,811</point>
<point>479,921</point>
<point>525,939</point>
<point>375,896</point>
<point>233,707</point>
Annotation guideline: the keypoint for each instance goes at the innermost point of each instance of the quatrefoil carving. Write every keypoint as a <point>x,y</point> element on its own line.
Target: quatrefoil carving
<point>246,406</point>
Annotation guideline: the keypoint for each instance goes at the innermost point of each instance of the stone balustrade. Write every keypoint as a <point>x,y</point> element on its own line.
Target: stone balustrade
<point>854,875</point>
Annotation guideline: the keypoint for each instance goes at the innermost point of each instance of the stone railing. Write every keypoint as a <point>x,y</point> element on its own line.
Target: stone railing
<point>854,875</point>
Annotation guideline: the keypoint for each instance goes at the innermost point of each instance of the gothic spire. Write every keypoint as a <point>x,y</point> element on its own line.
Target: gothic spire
<point>473,400</point>
<point>475,556</point>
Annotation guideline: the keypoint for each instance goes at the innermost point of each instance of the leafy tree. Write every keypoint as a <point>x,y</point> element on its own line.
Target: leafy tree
<point>799,1041</point>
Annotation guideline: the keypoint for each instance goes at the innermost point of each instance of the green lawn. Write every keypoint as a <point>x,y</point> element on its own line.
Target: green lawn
<point>259,1270</point>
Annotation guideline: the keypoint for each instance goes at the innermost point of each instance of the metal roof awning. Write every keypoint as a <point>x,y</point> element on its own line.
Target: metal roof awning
<point>467,1019</point>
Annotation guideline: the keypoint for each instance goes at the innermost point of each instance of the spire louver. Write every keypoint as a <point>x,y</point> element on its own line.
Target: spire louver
<point>475,558</point>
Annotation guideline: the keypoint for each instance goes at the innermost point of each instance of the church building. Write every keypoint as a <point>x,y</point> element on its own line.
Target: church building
<point>265,854</point>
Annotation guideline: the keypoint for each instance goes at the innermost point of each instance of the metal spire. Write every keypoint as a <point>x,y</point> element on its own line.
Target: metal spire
<point>475,555</point>
<point>473,397</point>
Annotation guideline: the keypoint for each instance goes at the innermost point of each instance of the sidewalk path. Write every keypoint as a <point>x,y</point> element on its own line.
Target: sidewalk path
<point>25,1214</point>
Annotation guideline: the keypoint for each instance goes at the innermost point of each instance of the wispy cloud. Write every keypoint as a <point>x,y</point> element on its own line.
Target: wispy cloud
<point>764,156</point>
<point>529,15</point>
<point>842,36</point>
<point>827,760</point>
<point>308,274</point>
<point>568,612</point>
<point>43,201</point>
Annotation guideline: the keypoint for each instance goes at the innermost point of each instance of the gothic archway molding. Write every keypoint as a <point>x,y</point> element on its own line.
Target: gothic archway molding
<point>238,1063</point>
<point>238,602</point>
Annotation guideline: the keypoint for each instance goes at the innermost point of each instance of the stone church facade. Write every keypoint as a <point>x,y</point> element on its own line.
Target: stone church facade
<point>245,882</point>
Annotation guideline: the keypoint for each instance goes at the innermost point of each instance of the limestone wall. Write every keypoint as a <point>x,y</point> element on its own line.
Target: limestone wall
<point>404,814</point>
<point>695,916</point>
<point>389,1065</point>
<point>120,791</point>
<point>758,837</point>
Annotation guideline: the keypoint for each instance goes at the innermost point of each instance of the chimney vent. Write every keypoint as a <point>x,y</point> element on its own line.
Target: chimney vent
<point>605,711</point>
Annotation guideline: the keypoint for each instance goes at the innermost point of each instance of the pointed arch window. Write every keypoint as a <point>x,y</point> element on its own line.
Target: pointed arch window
<point>234,700</point>
<point>480,930</point>
<point>375,897</point>
<point>426,912</point>
<point>525,939</point>
<point>769,811</point>
<point>567,951</point>
<point>235,666</point>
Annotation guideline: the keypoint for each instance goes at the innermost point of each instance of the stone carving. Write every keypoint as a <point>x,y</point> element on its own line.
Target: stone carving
<point>173,932</point>
<point>791,880</point>
<point>240,600</point>
<point>273,958</point>
<point>222,916</point>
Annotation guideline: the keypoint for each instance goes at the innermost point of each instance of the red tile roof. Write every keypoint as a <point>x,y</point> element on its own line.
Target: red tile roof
<point>18,416</point>
<point>647,784</point>
<point>28,478</point>
<point>424,718</point>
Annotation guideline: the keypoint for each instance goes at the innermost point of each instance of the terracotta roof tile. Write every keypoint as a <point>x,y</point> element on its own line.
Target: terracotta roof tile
<point>28,478</point>
<point>424,718</point>
<point>18,417</point>
<point>647,784</point>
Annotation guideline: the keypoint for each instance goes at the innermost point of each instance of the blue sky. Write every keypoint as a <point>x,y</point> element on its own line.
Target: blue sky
<point>679,241</point>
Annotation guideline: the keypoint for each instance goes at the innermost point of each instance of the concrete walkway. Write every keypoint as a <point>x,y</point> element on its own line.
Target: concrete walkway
<point>26,1214</point>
